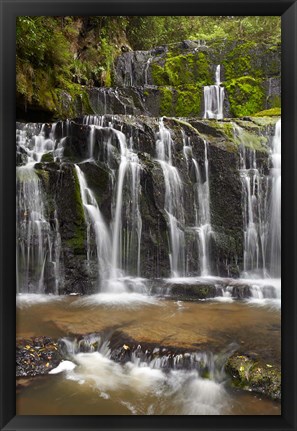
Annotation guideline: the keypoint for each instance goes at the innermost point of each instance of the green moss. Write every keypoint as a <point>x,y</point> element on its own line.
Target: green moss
<point>274,101</point>
<point>238,61</point>
<point>47,157</point>
<point>246,95</point>
<point>251,140</point>
<point>252,375</point>
<point>166,102</point>
<point>182,70</point>
<point>273,112</point>
<point>184,101</point>
<point>159,75</point>
<point>43,175</point>
<point>188,101</point>
<point>73,100</point>
<point>225,127</point>
<point>78,239</point>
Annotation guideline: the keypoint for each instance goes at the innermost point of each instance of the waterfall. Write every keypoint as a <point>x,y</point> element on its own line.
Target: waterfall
<point>173,205</point>
<point>254,220</point>
<point>115,246</point>
<point>146,69</point>
<point>214,98</point>
<point>201,205</point>
<point>126,234</point>
<point>95,222</point>
<point>261,208</point>
<point>274,230</point>
<point>120,243</point>
<point>38,239</point>
<point>203,214</point>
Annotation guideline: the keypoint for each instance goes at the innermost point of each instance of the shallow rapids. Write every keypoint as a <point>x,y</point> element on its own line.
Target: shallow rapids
<point>93,382</point>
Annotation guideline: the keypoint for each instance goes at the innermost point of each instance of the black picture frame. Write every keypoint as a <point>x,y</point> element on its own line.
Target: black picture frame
<point>9,9</point>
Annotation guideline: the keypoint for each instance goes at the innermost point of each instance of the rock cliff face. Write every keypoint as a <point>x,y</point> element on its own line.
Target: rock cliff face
<point>174,76</point>
<point>169,80</point>
<point>64,211</point>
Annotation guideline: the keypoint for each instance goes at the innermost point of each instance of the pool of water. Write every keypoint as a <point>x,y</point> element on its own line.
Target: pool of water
<point>98,385</point>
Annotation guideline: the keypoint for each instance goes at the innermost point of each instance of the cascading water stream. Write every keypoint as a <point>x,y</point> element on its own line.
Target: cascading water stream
<point>161,375</point>
<point>146,69</point>
<point>201,205</point>
<point>261,208</point>
<point>126,248</point>
<point>254,195</point>
<point>38,242</point>
<point>274,230</point>
<point>95,221</point>
<point>173,205</point>
<point>203,215</point>
<point>214,98</point>
<point>122,241</point>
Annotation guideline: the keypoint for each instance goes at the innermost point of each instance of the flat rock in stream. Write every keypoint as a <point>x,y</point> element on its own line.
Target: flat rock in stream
<point>191,292</point>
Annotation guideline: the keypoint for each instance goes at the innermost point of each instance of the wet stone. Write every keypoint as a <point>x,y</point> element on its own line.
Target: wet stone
<point>36,356</point>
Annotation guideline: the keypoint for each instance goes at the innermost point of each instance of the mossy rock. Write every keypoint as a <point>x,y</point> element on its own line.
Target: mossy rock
<point>77,241</point>
<point>246,95</point>
<point>194,292</point>
<point>251,375</point>
<point>183,69</point>
<point>273,112</point>
<point>183,101</point>
<point>252,58</point>
<point>47,157</point>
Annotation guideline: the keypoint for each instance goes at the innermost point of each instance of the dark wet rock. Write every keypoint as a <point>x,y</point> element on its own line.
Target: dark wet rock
<point>240,291</point>
<point>63,203</point>
<point>36,356</point>
<point>191,292</point>
<point>250,374</point>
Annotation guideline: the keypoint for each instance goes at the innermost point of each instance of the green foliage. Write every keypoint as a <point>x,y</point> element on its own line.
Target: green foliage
<point>143,32</point>
<point>188,101</point>
<point>55,55</point>
<point>180,101</point>
<point>238,61</point>
<point>166,104</point>
<point>246,95</point>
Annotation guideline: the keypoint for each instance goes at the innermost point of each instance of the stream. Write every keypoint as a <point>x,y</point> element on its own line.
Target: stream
<point>213,329</point>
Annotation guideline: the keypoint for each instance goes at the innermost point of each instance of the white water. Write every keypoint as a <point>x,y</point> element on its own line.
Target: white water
<point>254,189</point>
<point>173,205</point>
<point>214,98</point>
<point>96,225</point>
<point>118,246</point>
<point>274,230</point>
<point>166,380</point>
<point>203,215</point>
<point>126,248</point>
<point>38,244</point>
<point>185,391</point>
<point>261,209</point>
<point>201,205</point>
<point>127,300</point>
<point>146,69</point>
